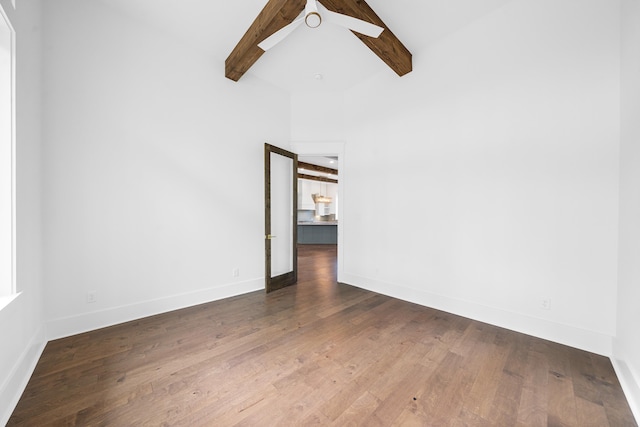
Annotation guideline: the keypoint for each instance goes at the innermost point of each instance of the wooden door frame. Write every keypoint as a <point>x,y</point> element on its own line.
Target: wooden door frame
<point>291,277</point>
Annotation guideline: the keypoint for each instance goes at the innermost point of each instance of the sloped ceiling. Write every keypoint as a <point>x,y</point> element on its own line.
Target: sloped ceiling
<point>335,53</point>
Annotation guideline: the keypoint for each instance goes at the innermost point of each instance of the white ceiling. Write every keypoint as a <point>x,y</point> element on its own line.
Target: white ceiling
<point>327,162</point>
<point>216,26</point>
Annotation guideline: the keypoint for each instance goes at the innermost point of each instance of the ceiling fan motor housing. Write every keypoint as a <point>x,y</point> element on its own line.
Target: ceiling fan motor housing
<point>313,20</point>
<point>311,16</point>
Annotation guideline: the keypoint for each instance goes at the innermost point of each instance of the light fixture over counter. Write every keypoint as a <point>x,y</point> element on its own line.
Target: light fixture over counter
<point>319,198</point>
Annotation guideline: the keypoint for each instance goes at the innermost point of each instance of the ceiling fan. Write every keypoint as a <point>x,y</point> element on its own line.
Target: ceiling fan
<point>314,14</point>
<point>274,23</point>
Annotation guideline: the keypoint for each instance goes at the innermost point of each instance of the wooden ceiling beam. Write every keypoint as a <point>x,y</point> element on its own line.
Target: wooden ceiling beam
<point>317,168</point>
<point>317,178</point>
<point>275,15</point>
<point>387,46</point>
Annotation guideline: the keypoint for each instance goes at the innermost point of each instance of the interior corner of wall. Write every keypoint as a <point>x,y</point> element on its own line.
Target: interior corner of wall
<point>628,377</point>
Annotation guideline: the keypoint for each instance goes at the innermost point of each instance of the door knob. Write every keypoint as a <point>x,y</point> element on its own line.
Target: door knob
<point>269,237</point>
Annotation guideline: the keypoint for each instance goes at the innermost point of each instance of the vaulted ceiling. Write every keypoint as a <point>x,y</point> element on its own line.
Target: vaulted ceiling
<point>215,27</point>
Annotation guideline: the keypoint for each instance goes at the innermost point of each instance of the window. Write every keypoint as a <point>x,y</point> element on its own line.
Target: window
<point>7,156</point>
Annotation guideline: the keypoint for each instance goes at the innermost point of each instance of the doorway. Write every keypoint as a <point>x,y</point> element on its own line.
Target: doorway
<point>318,217</point>
<point>336,151</point>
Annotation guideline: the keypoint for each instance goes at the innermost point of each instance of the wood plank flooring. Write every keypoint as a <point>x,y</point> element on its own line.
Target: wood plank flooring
<point>318,353</point>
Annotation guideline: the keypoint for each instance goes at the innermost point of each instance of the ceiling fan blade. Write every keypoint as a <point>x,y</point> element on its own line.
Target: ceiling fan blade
<point>279,35</point>
<point>354,24</point>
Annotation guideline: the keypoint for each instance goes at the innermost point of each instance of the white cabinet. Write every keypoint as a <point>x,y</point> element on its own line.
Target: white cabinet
<point>332,191</point>
<point>323,209</point>
<point>305,189</point>
<point>308,187</point>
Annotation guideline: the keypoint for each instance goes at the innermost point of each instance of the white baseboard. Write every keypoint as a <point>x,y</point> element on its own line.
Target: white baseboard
<point>630,383</point>
<point>552,331</point>
<point>13,387</point>
<point>67,326</point>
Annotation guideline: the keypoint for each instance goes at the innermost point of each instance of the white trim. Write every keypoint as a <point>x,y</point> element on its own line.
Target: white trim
<point>12,42</point>
<point>629,381</point>
<point>14,268</point>
<point>557,332</point>
<point>16,382</point>
<point>67,326</point>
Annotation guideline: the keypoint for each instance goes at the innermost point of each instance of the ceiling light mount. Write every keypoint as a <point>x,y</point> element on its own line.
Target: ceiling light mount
<point>314,14</point>
<point>311,16</point>
<point>313,20</point>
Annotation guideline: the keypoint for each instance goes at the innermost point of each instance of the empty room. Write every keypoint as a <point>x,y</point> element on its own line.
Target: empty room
<point>329,212</point>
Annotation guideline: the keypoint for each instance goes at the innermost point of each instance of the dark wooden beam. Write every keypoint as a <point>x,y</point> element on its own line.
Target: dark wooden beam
<point>309,166</point>
<point>316,178</point>
<point>386,46</point>
<point>275,15</point>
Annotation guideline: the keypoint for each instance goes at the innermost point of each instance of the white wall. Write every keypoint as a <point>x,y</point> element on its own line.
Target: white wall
<point>500,169</point>
<point>23,337</point>
<point>627,342</point>
<point>317,116</point>
<point>497,162</point>
<point>153,178</point>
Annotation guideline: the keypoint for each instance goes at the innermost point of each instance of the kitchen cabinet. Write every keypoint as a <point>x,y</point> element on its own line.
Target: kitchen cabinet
<point>318,234</point>
<point>307,187</point>
<point>332,191</point>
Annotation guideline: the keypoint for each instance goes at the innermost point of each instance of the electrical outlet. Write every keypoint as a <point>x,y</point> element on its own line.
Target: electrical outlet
<point>91,297</point>
<point>236,272</point>
<point>545,304</point>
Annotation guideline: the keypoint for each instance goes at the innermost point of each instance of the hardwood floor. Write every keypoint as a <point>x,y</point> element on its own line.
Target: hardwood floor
<point>317,353</point>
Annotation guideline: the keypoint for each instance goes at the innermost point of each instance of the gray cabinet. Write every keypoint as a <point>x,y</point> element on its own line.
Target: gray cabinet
<point>318,234</point>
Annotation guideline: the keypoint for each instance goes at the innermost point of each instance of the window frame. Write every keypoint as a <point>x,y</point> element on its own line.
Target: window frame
<point>9,291</point>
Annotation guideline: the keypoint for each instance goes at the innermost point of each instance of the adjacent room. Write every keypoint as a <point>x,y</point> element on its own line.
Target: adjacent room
<point>467,222</point>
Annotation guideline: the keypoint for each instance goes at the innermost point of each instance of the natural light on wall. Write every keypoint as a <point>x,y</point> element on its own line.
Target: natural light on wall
<point>7,150</point>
